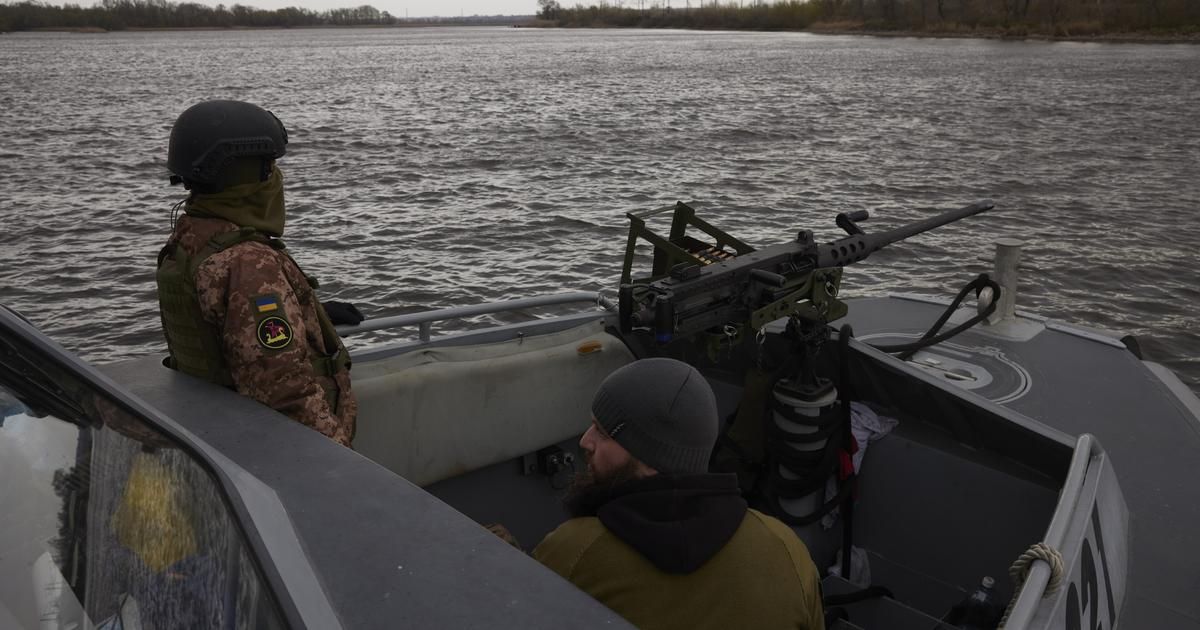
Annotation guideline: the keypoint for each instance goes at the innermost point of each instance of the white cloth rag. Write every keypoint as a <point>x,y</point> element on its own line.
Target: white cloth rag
<point>866,426</point>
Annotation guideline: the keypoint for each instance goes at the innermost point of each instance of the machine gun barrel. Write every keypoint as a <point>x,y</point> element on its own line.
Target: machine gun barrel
<point>854,248</point>
<point>767,283</point>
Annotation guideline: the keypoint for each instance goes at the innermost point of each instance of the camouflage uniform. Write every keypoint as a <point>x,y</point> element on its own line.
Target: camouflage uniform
<point>267,314</point>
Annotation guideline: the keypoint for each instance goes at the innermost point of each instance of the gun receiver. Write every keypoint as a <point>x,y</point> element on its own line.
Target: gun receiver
<point>697,287</point>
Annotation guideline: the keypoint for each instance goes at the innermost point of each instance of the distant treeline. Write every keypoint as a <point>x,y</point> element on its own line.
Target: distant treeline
<point>115,15</point>
<point>1057,18</point>
<point>1003,17</point>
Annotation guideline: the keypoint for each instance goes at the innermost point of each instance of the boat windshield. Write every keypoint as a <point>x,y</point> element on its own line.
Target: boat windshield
<point>107,522</point>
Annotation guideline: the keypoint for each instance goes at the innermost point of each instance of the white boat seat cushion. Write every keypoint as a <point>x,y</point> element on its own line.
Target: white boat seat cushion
<point>437,413</point>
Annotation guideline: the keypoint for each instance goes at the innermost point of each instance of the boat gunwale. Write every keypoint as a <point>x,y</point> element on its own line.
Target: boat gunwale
<point>297,592</point>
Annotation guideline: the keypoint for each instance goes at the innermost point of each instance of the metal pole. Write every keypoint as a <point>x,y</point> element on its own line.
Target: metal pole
<point>1008,256</point>
<point>1031,593</point>
<point>426,319</point>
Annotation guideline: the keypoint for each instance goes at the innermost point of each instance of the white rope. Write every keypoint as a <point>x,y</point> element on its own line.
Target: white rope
<point>1019,571</point>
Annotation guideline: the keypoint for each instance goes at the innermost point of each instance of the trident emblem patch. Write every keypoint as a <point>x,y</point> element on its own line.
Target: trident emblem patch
<point>274,333</point>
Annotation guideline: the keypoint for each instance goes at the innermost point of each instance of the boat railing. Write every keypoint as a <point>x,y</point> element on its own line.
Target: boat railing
<point>426,319</point>
<point>1034,587</point>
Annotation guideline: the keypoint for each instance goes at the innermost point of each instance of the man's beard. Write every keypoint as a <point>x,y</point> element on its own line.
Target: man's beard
<point>588,492</point>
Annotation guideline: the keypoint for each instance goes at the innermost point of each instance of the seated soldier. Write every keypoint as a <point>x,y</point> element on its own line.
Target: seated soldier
<point>657,538</point>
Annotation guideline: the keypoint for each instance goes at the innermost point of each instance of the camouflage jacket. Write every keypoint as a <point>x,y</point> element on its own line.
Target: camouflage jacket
<point>267,314</point>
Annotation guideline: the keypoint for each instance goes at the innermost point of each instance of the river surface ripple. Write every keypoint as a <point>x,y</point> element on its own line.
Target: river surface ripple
<point>448,166</point>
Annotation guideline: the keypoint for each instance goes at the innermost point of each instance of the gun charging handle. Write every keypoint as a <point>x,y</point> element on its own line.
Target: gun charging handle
<point>848,221</point>
<point>768,278</point>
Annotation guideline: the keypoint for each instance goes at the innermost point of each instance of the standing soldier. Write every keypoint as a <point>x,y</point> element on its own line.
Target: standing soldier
<point>236,309</point>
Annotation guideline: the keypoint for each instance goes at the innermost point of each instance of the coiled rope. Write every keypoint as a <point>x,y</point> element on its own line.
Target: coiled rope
<point>1019,571</point>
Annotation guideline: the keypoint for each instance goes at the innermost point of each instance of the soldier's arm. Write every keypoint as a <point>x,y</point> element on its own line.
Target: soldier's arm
<point>264,334</point>
<point>809,606</point>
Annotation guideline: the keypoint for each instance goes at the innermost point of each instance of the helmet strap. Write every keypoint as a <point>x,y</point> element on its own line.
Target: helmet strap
<point>175,211</point>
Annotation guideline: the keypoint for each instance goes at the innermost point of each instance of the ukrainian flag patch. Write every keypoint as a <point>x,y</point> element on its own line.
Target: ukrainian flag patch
<point>266,304</point>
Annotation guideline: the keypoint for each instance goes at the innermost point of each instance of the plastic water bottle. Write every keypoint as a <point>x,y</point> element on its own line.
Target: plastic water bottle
<point>980,610</point>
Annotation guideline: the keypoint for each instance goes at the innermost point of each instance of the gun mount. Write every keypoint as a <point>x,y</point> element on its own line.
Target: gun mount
<point>793,424</point>
<point>696,286</point>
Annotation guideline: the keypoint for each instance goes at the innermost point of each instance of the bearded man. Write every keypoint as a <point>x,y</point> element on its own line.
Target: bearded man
<point>657,538</point>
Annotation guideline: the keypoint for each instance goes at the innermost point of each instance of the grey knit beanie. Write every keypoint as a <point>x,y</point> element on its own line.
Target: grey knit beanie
<point>662,411</point>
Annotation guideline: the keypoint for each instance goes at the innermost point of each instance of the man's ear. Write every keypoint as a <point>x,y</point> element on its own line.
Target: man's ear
<point>643,470</point>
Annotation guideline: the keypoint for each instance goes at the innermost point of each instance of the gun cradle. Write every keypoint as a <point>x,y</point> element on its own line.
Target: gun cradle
<point>797,279</point>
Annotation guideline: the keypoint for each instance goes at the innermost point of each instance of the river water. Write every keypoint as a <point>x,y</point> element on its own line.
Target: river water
<point>447,166</point>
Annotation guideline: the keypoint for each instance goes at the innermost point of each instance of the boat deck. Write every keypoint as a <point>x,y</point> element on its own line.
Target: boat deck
<point>1072,380</point>
<point>1077,381</point>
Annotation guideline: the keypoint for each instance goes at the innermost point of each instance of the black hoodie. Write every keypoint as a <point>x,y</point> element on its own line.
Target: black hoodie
<point>682,552</point>
<point>676,521</point>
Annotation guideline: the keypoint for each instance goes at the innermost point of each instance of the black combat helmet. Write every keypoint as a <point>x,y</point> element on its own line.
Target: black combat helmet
<point>209,137</point>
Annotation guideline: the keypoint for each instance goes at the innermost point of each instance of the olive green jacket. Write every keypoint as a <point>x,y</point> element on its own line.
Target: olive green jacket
<point>762,578</point>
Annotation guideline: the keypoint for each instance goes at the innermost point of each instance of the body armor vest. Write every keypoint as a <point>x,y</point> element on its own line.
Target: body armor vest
<point>195,345</point>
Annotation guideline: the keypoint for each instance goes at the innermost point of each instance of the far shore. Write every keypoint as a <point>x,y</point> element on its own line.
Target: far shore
<point>1136,37</point>
<point>141,29</point>
<point>1000,34</point>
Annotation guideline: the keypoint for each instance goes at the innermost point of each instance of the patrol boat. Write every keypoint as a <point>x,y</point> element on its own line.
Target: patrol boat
<point>138,497</point>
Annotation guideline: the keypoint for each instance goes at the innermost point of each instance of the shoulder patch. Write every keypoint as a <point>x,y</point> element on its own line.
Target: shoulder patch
<point>274,333</point>
<point>264,304</point>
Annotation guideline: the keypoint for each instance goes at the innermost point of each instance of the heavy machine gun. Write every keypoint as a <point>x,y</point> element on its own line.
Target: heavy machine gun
<point>695,286</point>
<point>792,426</point>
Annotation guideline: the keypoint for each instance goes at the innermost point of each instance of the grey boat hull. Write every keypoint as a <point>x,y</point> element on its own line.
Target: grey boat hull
<point>347,538</point>
<point>1081,381</point>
